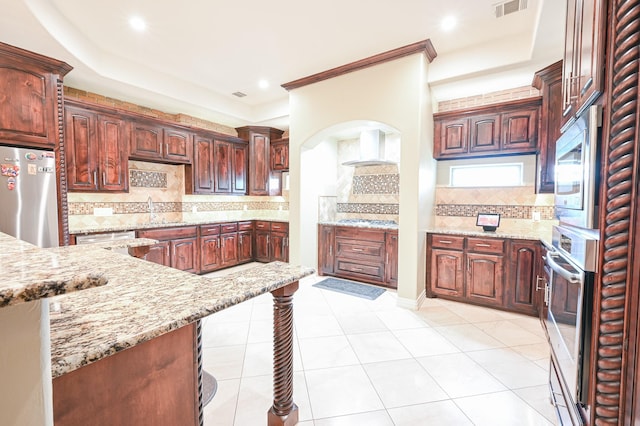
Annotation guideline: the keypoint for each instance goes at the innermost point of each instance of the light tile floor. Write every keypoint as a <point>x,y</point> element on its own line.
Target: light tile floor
<point>361,362</point>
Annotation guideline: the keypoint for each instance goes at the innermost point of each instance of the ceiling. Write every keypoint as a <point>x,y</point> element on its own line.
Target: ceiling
<point>196,53</point>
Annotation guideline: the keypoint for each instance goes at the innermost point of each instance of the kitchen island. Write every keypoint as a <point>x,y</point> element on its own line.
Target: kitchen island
<point>150,313</point>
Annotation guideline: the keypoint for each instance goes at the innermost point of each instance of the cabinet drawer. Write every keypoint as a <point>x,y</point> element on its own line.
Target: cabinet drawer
<point>263,225</point>
<point>209,229</point>
<point>447,241</point>
<point>370,271</point>
<point>355,249</point>
<point>360,234</point>
<point>245,226</point>
<point>168,233</point>
<point>279,226</point>
<point>226,228</point>
<point>488,245</point>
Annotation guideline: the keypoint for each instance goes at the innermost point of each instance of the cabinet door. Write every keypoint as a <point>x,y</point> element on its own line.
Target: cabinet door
<point>239,161</point>
<point>279,247</point>
<point>391,259</point>
<point>245,246</point>
<point>113,167</point>
<point>80,135</point>
<point>229,250</point>
<point>184,254</point>
<point>523,264</point>
<point>202,170</point>
<point>159,253</point>
<point>326,240</point>
<point>484,278</point>
<point>485,133</point>
<point>145,142</point>
<point>222,166</point>
<point>570,62</point>
<point>520,131</point>
<point>262,246</point>
<point>280,155</point>
<point>451,137</point>
<point>209,253</point>
<point>178,147</point>
<point>447,277</point>
<point>591,62</point>
<point>258,164</point>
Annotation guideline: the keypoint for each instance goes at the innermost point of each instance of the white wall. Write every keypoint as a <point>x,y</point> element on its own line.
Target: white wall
<point>395,94</point>
<point>25,365</point>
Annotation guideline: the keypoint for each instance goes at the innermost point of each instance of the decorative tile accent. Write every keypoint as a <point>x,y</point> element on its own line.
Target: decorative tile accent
<point>175,207</point>
<point>368,208</point>
<point>144,179</point>
<point>376,184</point>
<point>506,211</point>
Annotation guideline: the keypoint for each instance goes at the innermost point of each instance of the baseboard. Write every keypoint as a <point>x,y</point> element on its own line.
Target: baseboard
<point>414,305</point>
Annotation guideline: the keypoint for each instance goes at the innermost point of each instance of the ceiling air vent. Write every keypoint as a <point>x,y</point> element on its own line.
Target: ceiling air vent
<point>508,7</point>
<point>239,94</point>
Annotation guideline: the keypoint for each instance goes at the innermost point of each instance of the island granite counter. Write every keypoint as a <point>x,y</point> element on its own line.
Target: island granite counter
<point>153,312</point>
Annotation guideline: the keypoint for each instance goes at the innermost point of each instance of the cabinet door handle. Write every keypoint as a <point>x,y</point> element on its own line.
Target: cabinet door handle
<point>387,261</point>
<point>166,149</point>
<point>356,249</point>
<point>468,265</point>
<point>445,242</point>
<point>538,279</point>
<point>330,250</point>
<point>95,178</point>
<point>483,245</point>
<point>104,179</point>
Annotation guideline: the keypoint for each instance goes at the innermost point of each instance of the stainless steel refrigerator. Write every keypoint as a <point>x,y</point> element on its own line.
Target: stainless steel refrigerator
<point>28,199</point>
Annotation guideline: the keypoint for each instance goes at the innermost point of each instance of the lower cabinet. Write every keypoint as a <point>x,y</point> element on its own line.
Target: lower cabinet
<point>177,247</point>
<point>228,244</point>
<point>272,241</point>
<point>361,254</point>
<point>494,272</point>
<point>245,241</point>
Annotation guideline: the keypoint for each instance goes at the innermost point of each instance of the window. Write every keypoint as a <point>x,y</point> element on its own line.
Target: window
<point>508,174</point>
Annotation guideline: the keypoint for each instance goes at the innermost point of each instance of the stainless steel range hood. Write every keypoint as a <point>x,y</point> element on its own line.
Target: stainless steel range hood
<point>372,150</point>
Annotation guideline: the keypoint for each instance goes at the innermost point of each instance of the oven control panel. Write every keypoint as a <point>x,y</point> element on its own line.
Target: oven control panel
<point>579,245</point>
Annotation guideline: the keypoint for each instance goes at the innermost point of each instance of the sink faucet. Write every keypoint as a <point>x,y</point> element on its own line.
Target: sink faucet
<point>152,214</point>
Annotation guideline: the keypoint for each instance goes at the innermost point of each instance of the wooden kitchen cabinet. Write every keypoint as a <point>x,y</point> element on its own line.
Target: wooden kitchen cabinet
<point>209,248</point>
<point>326,241</point>
<point>583,64</point>
<point>499,129</point>
<point>219,166</point>
<point>182,246</point>
<point>549,81</point>
<point>360,254</point>
<point>280,154</point>
<point>272,241</point>
<point>495,272</point>
<point>31,88</point>
<point>153,141</point>
<point>229,244</point>
<point>259,156</point>
<point>96,151</point>
<point>521,284</point>
<point>245,241</point>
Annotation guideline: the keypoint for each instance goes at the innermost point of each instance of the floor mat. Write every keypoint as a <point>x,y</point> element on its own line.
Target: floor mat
<point>350,287</point>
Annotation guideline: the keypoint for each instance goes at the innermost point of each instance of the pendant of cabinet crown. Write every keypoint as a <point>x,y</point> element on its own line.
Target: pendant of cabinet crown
<point>583,66</point>
<point>506,128</point>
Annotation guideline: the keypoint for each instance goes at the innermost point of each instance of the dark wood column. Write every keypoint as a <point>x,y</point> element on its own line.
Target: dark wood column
<point>614,396</point>
<point>284,411</point>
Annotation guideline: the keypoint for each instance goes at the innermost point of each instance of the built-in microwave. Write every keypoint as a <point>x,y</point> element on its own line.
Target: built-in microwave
<point>578,171</point>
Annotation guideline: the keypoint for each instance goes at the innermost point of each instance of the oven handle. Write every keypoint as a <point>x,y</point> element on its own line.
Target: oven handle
<point>572,278</point>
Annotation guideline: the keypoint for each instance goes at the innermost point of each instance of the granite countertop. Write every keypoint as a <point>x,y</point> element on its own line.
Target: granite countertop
<point>496,234</point>
<point>30,273</point>
<point>144,300</point>
<point>363,223</point>
<point>154,225</point>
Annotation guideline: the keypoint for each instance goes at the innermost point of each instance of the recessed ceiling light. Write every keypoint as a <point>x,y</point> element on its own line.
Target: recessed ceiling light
<point>263,84</point>
<point>448,23</point>
<point>137,23</point>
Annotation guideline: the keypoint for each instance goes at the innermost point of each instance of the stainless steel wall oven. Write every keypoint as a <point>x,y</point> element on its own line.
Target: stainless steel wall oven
<point>571,267</point>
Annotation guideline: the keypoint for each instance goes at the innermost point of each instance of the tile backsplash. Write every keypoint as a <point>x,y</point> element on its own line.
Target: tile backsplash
<point>156,193</point>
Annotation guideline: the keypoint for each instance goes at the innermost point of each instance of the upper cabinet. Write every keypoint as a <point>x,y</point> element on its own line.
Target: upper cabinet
<point>549,81</point>
<point>583,70</point>
<point>498,129</point>
<point>259,139</point>
<point>96,151</point>
<point>151,141</point>
<point>30,98</point>
<point>280,154</point>
<point>219,166</point>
